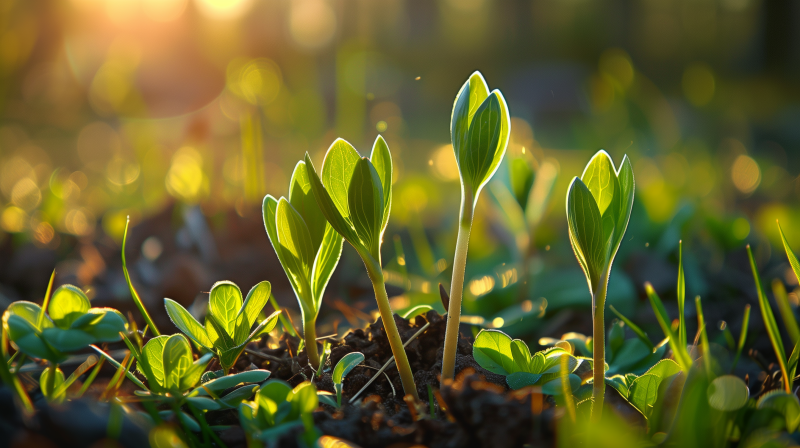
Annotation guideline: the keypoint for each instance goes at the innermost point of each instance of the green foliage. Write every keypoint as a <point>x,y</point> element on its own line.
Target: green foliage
<point>277,409</point>
<point>728,393</point>
<point>479,128</point>
<point>71,325</point>
<point>228,322</point>
<point>343,367</point>
<point>496,352</point>
<point>166,362</point>
<point>644,391</point>
<point>678,351</point>
<point>598,209</point>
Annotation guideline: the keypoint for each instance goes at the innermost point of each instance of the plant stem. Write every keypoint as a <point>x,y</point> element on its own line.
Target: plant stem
<point>387,316</point>
<point>599,349</point>
<point>310,336</point>
<point>457,290</point>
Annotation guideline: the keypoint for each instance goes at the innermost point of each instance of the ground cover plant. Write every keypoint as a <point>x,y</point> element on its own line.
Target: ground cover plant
<point>430,379</point>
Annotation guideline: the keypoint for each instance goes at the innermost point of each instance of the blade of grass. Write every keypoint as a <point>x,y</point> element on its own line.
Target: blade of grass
<point>639,332</point>
<point>113,385</point>
<point>286,324</point>
<point>136,298</point>
<point>116,364</point>
<point>431,406</point>
<point>91,378</point>
<point>46,301</point>
<point>678,351</point>
<point>681,297</point>
<point>789,253</point>
<point>726,332</point>
<point>770,324</point>
<point>701,324</point>
<point>742,336</point>
<point>88,364</point>
<point>785,308</point>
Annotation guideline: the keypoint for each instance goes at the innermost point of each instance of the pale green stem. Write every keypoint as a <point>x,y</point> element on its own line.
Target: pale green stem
<point>599,349</point>
<point>387,316</point>
<point>310,336</point>
<point>457,290</point>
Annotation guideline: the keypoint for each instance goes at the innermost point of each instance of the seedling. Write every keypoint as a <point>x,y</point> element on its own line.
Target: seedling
<point>277,409</point>
<point>68,324</point>
<point>356,199</point>
<point>496,352</point>
<point>343,367</point>
<point>479,128</point>
<point>228,321</point>
<point>598,209</point>
<point>307,247</point>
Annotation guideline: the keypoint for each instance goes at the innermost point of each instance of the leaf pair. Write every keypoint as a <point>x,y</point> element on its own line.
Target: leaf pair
<point>167,363</point>
<point>354,193</point>
<point>643,391</point>
<point>598,209</point>
<point>479,129</point>
<point>278,407</point>
<point>496,352</point>
<point>307,246</point>
<point>228,321</point>
<point>70,326</point>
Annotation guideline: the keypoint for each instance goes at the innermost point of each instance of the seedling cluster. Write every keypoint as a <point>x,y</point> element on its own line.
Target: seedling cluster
<point>669,382</point>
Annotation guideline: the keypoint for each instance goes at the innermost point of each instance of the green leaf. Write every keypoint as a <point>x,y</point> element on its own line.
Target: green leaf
<point>417,311</point>
<point>326,204</point>
<point>769,322</point>
<point>151,364</point>
<point>218,334</point>
<point>51,387</point>
<point>555,387</point>
<point>600,178</point>
<point>784,403</point>
<point>253,304</point>
<point>192,376</point>
<point>521,355</point>
<point>786,309</point>
<point>619,383</point>
<point>225,301</point>
<point>185,322</point>
<point>492,351</point>
<point>295,243</point>
<point>325,262</point>
<point>228,354</point>
<point>345,365</point>
<point>67,340</point>
<point>234,398</point>
<point>302,200</point>
<point>337,174</point>
<point>68,304</point>
<point>728,393</point>
<point>290,263</point>
<point>177,359</point>
<point>107,327</point>
<point>518,380</point>
<point>226,382</point>
<point>790,254</point>
<point>468,99</point>
<point>382,161</point>
<point>680,353</point>
<point>303,399</point>
<point>626,188</point>
<point>365,200</point>
<point>203,403</point>
<point>635,328</point>
<point>643,391</point>
<point>487,139</point>
<point>586,232</point>
<point>28,340</point>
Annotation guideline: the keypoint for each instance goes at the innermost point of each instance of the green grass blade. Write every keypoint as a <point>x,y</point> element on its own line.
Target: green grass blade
<point>639,332</point>
<point>789,254</point>
<point>681,297</point>
<point>284,321</point>
<point>769,322</point>
<point>12,381</point>
<point>742,336</point>
<point>701,324</point>
<point>136,298</point>
<point>46,301</point>
<point>91,377</point>
<point>785,308</point>
<point>678,351</point>
<point>116,364</point>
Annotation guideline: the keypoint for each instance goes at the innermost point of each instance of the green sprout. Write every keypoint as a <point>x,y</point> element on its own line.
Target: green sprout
<point>278,409</point>
<point>479,128</point>
<point>228,321</point>
<point>67,324</point>
<point>598,209</point>
<point>356,198</point>
<point>307,247</point>
<point>343,367</point>
<point>496,352</point>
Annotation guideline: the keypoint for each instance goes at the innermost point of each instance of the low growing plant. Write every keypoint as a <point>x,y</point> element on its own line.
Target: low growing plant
<point>343,367</point>
<point>355,196</point>
<point>479,128</point>
<point>228,321</point>
<point>308,248</point>
<point>598,209</point>
<point>277,409</point>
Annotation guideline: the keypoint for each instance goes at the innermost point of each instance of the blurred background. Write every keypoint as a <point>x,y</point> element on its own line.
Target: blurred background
<point>183,114</point>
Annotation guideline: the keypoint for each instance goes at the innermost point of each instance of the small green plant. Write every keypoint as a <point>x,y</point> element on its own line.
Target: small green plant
<point>496,352</point>
<point>479,128</point>
<point>277,408</point>
<point>355,196</point>
<point>67,324</point>
<point>598,209</point>
<point>307,247</point>
<point>343,367</point>
<point>228,321</point>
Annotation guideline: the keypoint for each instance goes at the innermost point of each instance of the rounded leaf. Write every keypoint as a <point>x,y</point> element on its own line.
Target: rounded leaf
<point>728,393</point>
<point>492,351</point>
<point>67,305</point>
<point>177,359</point>
<point>224,303</point>
<point>303,398</point>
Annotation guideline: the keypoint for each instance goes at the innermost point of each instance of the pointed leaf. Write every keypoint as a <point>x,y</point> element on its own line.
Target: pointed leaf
<point>185,322</point>
<point>345,365</point>
<point>255,301</point>
<point>151,364</point>
<point>365,200</point>
<point>382,160</point>
<point>586,232</point>
<point>341,223</point>
<point>790,254</point>
<point>471,95</point>
<point>626,189</point>
<point>325,263</point>
<point>302,199</point>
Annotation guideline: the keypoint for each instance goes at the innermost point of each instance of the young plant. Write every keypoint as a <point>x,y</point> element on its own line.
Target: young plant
<point>479,129</point>
<point>356,198</point>
<point>343,367</point>
<point>228,321</point>
<point>496,352</point>
<point>307,247</point>
<point>598,209</point>
<point>277,409</point>
<point>67,324</point>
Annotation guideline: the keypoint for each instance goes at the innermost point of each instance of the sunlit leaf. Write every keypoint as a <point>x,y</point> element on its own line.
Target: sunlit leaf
<point>555,386</point>
<point>67,304</point>
<point>177,359</point>
<point>345,365</point>
<point>302,199</point>
<point>185,322</point>
<point>50,382</point>
<point>224,303</point>
<point>365,200</point>
<point>586,232</point>
<point>492,351</point>
<point>784,403</point>
<point>382,161</point>
<point>518,380</point>
<point>152,362</point>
